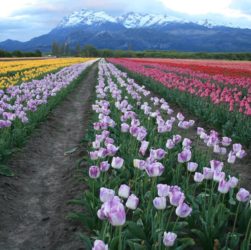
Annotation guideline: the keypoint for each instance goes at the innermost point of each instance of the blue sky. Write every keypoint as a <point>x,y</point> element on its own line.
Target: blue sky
<point>25,19</point>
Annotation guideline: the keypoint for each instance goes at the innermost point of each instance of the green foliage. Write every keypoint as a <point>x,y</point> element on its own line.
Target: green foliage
<point>18,53</point>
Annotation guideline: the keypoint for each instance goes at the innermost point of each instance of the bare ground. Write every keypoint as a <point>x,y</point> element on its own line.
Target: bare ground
<point>33,204</point>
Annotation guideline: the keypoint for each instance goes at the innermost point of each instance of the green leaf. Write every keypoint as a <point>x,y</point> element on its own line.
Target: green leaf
<point>186,242</point>
<point>71,151</point>
<point>5,170</point>
<point>135,231</point>
<point>86,240</point>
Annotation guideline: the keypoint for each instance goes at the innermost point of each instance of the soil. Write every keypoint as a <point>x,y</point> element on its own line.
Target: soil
<point>33,204</point>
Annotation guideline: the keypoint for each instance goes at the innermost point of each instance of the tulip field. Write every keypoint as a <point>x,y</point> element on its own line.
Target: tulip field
<point>158,165</point>
<point>23,105</point>
<point>218,93</point>
<point>16,72</point>
<point>150,184</point>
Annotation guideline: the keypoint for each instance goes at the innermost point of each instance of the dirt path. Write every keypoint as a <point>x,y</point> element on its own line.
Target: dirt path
<point>33,204</point>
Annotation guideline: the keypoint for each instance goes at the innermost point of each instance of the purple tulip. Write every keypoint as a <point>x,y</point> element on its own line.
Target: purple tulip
<point>192,166</point>
<point>208,173</point>
<point>233,182</point>
<point>184,156</point>
<point>140,164</point>
<point>125,128</point>
<point>106,194</point>
<point>117,162</point>
<point>143,147</point>
<point>216,165</point>
<point>218,176</point>
<point>231,157</point>
<point>94,172</point>
<point>223,187</point>
<point>124,191</point>
<point>159,203</point>
<point>200,130</point>
<point>243,195</point>
<point>180,116</point>
<point>177,139</point>
<point>170,144</point>
<point>132,202</point>
<point>111,149</point>
<point>198,177</point>
<point>99,245</point>
<point>158,154</point>
<point>186,143</point>
<point>117,215</point>
<point>226,141</point>
<point>94,155</point>
<point>237,147</point>
<point>241,154</point>
<point>163,190</point>
<point>155,169</point>
<point>183,210</point>
<point>169,239</point>
<point>176,197</point>
<point>104,166</point>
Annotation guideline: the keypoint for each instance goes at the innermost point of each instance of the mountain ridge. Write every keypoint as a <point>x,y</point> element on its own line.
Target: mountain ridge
<point>138,31</point>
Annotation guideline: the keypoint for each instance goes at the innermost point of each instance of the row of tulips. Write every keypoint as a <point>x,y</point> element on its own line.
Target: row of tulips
<point>17,101</point>
<point>16,72</point>
<point>235,92</point>
<point>23,107</point>
<point>221,101</point>
<point>152,187</point>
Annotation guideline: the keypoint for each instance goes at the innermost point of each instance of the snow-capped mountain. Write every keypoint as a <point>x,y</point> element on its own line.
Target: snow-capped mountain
<point>130,20</point>
<point>86,17</point>
<point>139,31</point>
<point>137,20</point>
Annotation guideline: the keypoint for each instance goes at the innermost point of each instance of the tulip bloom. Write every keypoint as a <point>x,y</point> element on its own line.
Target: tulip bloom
<point>132,202</point>
<point>104,166</point>
<point>192,166</point>
<point>169,239</point>
<point>159,203</point>
<point>124,191</point>
<point>99,245</point>
<point>143,147</point>
<point>223,187</point>
<point>163,190</point>
<point>106,194</point>
<point>117,162</point>
<point>155,169</point>
<point>183,210</point>
<point>243,195</point>
<point>94,172</point>
<point>198,177</point>
<point>184,156</point>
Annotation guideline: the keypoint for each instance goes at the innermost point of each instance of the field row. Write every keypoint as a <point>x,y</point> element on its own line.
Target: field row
<point>152,185</point>
<point>222,101</point>
<point>16,72</point>
<point>23,106</point>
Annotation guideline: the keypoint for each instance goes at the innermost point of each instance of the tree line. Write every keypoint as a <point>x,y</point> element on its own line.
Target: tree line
<point>18,53</point>
<point>91,51</point>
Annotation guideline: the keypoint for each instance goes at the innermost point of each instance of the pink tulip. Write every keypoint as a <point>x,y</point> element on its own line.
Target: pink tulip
<point>124,191</point>
<point>132,202</point>
<point>243,195</point>
<point>159,203</point>
<point>94,172</point>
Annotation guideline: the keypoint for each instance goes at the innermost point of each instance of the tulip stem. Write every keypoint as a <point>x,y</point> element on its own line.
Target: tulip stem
<point>120,238</point>
<point>248,237</point>
<point>236,215</point>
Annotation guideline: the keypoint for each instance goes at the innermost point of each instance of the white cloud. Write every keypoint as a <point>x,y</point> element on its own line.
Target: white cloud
<point>204,7</point>
<point>9,6</point>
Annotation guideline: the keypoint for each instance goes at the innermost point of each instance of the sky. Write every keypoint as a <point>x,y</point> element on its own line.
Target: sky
<point>24,19</point>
